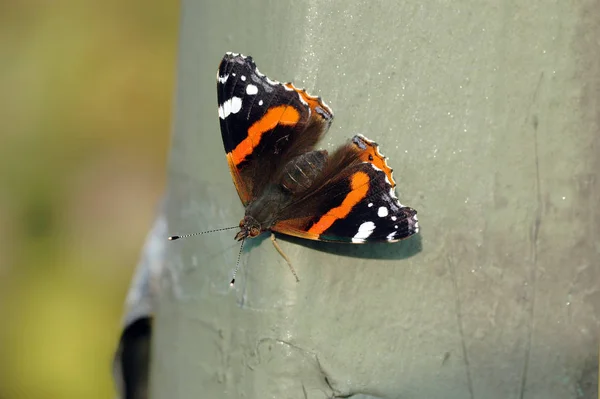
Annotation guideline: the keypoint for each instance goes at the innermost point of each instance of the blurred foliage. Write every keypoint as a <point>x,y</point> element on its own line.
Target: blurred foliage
<point>85,111</point>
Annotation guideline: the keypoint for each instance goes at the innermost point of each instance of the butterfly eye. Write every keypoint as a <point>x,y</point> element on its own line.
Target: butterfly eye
<point>254,231</point>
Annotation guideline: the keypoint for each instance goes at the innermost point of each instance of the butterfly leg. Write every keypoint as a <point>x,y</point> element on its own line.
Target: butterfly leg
<point>284,256</point>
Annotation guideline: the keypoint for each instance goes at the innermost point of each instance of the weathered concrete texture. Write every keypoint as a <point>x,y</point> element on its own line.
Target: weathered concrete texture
<point>490,116</point>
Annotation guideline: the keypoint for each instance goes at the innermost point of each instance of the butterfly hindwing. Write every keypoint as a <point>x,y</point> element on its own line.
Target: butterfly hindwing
<point>264,123</point>
<point>355,204</point>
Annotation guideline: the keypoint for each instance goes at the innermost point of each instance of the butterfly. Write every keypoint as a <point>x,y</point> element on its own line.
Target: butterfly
<point>270,131</point>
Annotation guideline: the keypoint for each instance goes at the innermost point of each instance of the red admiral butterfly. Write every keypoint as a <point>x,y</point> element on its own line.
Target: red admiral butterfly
<point>269,131</point>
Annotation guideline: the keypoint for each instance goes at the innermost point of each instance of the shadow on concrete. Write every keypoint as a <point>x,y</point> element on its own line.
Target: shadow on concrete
<point>397,251</point>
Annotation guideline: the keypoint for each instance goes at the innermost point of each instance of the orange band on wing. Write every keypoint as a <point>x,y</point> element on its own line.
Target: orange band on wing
<point>359,184</point>
<point>282,115</point>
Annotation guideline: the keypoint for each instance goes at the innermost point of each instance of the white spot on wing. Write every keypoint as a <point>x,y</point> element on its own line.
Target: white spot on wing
<point>223,79</point>
<point>394,218</point>
<point>251,90</point>
<point>231,106</point>
<point>364,231</point>
<point>260,102</point>
<point>370,204</point>
<point>243,78</point>
<point>382,212</point>
<point>390,237</point>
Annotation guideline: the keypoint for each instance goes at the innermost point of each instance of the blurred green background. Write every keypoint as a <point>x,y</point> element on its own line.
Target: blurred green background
<point>85,112</point>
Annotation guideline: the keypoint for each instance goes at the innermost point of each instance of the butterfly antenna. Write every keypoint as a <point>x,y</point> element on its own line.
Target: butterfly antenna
<point>237,265</point>
<point>173,238</point>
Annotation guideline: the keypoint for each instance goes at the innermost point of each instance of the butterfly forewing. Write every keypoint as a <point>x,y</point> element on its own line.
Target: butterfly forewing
<point>264,123</point>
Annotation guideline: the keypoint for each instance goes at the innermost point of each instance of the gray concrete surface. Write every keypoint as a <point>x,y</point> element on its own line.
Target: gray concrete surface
<point>490,116</point>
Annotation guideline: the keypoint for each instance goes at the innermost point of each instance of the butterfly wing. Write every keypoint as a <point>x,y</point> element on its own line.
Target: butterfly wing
<point>355,202</point>
<point>264,123</point>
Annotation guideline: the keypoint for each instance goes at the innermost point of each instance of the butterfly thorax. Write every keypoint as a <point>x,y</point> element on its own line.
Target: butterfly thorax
<point>262,213</point>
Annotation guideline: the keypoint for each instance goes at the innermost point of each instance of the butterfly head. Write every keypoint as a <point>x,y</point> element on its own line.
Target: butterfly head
<point>249,227</point>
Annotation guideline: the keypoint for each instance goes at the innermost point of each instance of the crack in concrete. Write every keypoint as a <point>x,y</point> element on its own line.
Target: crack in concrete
<point>535,230</point>
<point>335,392</point>
<point>459,321</point>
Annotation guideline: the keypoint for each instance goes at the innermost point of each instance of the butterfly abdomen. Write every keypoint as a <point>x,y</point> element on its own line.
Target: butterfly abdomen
<point>300,172</point>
